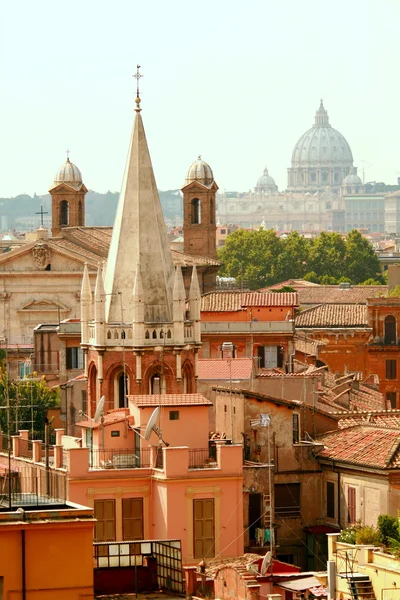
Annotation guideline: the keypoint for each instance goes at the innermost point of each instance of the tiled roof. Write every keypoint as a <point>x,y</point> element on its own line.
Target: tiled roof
<point>110,418</point>
<point>170,400</point>
<point>333,315</point>
<point>334,294</point>
<point>389,418</point>
<point>233,301</point>
<point>363,445</point>
<point>92,244</point>
<point>220,368</point>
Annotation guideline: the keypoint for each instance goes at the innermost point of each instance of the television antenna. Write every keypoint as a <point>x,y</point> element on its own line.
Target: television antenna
<point>151,426</point>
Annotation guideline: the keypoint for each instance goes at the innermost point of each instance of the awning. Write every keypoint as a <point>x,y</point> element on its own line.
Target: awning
<point>299,585</point>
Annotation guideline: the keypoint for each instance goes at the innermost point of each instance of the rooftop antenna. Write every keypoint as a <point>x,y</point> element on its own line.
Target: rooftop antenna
<point>151,426</point>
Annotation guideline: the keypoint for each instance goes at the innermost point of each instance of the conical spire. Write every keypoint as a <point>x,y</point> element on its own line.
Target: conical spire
<point>179,306</point>
<point>139,235</point>
<point>99,308</point>
<point>195,305</point>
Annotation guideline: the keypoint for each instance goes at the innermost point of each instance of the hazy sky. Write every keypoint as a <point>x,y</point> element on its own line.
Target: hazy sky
<point>237,82</point>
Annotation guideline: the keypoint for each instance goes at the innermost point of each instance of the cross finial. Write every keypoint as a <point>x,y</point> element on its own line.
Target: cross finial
<point>138,76</point>
<point>68,153</point>
<point>42,212</point>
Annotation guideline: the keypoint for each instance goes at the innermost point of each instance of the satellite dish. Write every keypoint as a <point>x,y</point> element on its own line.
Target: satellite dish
<point>266,562</point>
<point>152,423</point>
<point>99,409</point>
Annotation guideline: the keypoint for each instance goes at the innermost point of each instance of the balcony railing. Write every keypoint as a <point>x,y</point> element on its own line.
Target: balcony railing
<point>247,327</point>
<point>201,458</point>
<point>119,458</point>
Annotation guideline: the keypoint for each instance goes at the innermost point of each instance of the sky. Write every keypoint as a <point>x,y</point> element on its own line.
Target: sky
<point>236,82</point>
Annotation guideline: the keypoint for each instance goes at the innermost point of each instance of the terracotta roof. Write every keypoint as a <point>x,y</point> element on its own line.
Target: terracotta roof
<point>334,294</point>
<point>110,418</point>
<point>220,368</point>
<point>170,400</point>
<point>333,315</point>
<point>389,418</point>
<point>363,445</point>
<point>95,241</point>
<point>233,301</point>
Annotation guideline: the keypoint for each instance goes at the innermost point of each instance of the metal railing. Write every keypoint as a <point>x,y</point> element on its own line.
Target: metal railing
<point>119,458</point>
<point>201,458</point>
<point>345,561</point>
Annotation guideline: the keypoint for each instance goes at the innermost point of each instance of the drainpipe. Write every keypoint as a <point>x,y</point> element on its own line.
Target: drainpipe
<point>23,556</point>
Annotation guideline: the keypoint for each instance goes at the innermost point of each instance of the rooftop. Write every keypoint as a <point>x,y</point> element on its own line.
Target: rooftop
<point>220,368</point>
<point>234,301</point>
<point>169,400</point>
<point>363,445</point>
<point>333,315</point>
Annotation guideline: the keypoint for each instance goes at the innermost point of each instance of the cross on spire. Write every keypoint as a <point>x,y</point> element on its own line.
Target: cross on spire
<point>138,76</point>
<point>68,153</point>
<point>42,212</point>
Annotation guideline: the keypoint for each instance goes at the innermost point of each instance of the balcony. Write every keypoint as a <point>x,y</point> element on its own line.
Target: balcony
<point>120,458</point>
<point>246,327</point>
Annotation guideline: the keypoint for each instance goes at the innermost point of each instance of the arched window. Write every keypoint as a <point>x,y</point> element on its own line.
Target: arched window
<point>109,335</point>
<point>122,390</point>
<point>390,330</point>
<point>196,211</point>
<point>64,213</point>
<point>80,213</point>
<point>157,384</point>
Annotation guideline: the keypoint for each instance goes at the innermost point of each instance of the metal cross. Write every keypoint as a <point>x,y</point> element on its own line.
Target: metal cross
<point>42,212</point>
<point>68,153</point>
<point>137,76</point>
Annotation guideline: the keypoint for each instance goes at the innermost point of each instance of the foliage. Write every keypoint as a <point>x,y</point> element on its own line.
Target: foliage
<point>367,534</point>
<point>348,535</point>
<point>285,288</point>
<point>388,528</point>
<point>371,281</point>
<point>30,399</point>
<point>395,292</point>
<point>259,258</point>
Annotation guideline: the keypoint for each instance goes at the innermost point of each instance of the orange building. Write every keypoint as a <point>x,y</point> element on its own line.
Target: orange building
<point>259,324</point>
<point>46,551</point>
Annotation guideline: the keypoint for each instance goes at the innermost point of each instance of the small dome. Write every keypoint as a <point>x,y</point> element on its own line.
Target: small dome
<point>266,181</point>
<point>199,171</point>
<point>68,173</point>
<point>352,178</point>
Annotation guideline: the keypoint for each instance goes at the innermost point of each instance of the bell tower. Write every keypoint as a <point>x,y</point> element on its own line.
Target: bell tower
<point>67,198</point>
<point>199,210</point>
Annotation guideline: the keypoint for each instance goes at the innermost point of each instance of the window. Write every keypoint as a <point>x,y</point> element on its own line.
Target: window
<point>270,357</point>
<point>287,500</point>
<point>83,401</point>
<point>203,526</point>
<point>351,505</point>
<point>23,369</point>
<point>104,512</point>
<point>391,369</point>
<point>64,213</point>
<point>330,499</point>
<point>132,518</point>
<point>74,358</point>
<point>157,385</point>
<point>390,330</point>
<point>296,428</point>
<point>196,211</point>
<point>80,213</point>
<point>174,415</point>
<point>392,398</point>
<point>223,231</point>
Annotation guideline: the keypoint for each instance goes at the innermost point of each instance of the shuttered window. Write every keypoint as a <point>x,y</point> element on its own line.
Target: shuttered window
<point>203,525</point>
<point>132,518</point>
<point>351,504</point>
<point>104,512</point>
<point>391,370</point>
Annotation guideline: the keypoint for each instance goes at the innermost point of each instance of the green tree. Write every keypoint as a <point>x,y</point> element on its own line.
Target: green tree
<point>327,254</point>
<point>292,262</point>
<point>361,262</point>
<point>250,256</point>
<point>30,399</point>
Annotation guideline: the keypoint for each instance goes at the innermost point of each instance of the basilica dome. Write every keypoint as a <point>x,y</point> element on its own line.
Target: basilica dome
<point>68,173</point>
<point>321,158</point>
<point>199,171</point>
<point>266,183</point>
<point>352,178</point>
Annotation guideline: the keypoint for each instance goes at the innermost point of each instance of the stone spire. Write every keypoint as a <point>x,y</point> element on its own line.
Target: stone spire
<point>138,309</point>
<point>99,308</point>
<point>179,302</point>
<point>86,305</point>
<point>195,305</point>
<point>139,236</point>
